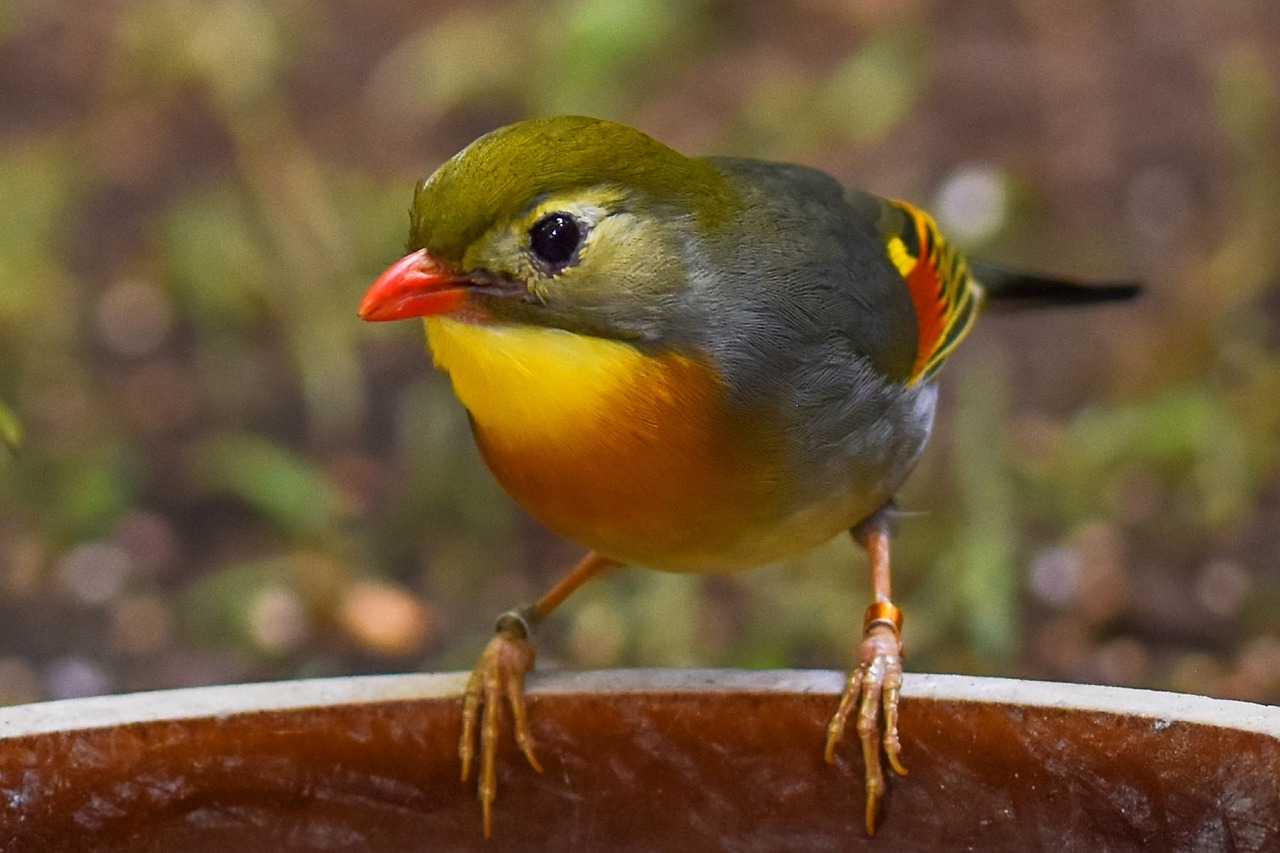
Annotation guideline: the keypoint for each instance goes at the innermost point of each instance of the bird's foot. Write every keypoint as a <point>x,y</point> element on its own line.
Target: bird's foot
<point>873,688</point>
<point>499,674</point>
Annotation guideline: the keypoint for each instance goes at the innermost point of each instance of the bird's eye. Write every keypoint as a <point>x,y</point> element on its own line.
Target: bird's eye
<point>555,238</point>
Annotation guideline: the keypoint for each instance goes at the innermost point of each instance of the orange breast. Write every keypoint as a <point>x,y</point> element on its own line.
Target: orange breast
<point>638,456</point>
<point>663,477</point>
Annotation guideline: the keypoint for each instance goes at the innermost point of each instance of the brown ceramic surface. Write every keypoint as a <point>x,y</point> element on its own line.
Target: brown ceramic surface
<point>639,760</point>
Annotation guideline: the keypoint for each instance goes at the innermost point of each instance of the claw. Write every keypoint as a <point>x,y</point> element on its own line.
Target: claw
<point>499,673</point>
<point>873,689</point>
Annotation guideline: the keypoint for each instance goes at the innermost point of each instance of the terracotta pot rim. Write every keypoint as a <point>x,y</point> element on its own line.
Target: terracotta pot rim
<point>226,700</point>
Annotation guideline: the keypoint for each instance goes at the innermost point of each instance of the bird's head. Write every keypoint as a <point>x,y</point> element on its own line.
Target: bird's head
<point>566,222</point>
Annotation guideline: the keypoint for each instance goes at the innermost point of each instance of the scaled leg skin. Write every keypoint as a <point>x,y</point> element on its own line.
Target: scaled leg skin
<point>500,675</point>
<point>873,687</point>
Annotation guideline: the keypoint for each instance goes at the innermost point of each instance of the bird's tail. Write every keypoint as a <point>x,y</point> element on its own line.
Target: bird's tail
<point>1004,290</point>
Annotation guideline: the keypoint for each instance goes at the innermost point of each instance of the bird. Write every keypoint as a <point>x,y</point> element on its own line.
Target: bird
<point>692,364</point>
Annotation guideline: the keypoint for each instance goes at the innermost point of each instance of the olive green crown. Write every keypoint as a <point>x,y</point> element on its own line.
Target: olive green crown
<point>505,172</point>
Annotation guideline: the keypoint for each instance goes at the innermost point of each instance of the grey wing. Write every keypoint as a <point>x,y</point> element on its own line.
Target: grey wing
<point>811,318</point>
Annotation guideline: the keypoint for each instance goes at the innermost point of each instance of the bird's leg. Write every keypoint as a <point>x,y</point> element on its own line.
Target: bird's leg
<point>500,674</point>
<point>874,685</point>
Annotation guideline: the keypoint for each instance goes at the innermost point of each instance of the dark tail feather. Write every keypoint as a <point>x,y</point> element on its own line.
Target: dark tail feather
<point>1014,291</point>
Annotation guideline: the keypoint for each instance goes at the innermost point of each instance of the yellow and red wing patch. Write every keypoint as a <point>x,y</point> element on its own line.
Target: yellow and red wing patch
<point>944,294</point>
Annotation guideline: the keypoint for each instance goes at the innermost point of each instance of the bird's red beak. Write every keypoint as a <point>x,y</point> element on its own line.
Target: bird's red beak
<point>417,285</point>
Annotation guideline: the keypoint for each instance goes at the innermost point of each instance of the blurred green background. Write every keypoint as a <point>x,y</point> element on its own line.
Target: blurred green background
<point>223,475</point>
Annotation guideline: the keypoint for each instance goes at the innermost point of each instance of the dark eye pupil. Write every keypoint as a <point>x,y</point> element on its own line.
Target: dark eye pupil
<point>554,238</point>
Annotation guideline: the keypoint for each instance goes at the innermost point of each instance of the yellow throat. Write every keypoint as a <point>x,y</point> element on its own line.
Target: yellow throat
<point>532,383</point>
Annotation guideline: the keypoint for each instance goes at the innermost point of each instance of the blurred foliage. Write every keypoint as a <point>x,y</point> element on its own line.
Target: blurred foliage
<point>10,429</point>
<point>224,475</point>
